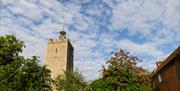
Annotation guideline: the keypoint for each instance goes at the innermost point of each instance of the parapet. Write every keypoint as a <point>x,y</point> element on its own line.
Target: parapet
<point>57,40</point>
<point>62,38</point>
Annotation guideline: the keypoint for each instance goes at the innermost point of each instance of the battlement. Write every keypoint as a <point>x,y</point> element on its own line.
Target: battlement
<point>62,38</point>
<point>57,40</point>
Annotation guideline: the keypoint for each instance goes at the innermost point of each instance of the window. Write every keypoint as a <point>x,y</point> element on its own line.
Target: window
<point>56,50</point>
<point>159,78</point>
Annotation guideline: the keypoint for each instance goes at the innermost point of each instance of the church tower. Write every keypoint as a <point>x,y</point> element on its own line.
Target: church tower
<point>59,55</point>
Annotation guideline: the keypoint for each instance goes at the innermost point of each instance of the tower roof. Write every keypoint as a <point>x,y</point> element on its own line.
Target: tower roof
<point>62,32</point>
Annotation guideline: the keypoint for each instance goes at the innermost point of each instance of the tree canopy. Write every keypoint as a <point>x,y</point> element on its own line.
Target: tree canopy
<point>18,73</point>
<point>122,74</point>
<point>71,81</point>
<point>10,47</point>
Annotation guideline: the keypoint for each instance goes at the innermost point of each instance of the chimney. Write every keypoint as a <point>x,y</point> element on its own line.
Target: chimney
<point>158,63</point>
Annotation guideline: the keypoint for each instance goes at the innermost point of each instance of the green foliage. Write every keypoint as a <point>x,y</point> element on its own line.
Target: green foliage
<point>18,73</point>
<point>101,85</point>
<point>9,48</point>
<point>71,81</point>
<point>122,74</point>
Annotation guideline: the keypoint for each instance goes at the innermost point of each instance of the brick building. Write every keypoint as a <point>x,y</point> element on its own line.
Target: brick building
<point>166,77</point>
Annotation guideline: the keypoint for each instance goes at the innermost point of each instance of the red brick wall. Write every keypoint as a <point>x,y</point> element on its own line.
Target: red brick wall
<point>170,76</point>
<point>178,71</point>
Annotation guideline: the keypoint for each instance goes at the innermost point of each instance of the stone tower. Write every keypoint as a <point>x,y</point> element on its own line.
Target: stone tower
<point>59,55</point>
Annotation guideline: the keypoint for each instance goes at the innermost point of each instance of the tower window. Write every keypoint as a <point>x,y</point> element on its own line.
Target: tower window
<point>56,50</point>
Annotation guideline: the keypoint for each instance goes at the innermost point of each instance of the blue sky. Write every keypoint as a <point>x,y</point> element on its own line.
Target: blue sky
<point>149,29</point>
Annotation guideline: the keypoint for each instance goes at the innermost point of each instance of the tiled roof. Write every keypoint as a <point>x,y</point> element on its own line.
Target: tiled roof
<point>166,61</point>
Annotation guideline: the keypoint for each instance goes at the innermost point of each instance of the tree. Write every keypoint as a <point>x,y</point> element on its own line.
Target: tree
<point>101,85</point>
<point>71,81</point>
<point>18,73</point>
<point>122,74</point>
<point>10,47</point>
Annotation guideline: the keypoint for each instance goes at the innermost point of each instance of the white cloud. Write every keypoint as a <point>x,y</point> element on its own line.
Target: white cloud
<point>140,49</point>
<point>107,40</point>
<point>35,21</point>
<point>90,69</point>
<point>109,2</point>
<point>93,10</point>
<point>80,23</point>
<point>136,17</point>
<point>82,1</point>
<point>141,16</point>
<point>25,8</point>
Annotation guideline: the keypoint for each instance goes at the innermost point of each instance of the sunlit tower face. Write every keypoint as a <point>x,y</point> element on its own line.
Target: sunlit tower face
<point>59,55</point>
